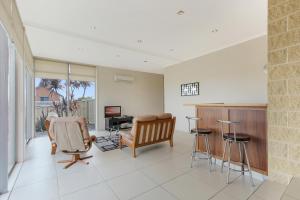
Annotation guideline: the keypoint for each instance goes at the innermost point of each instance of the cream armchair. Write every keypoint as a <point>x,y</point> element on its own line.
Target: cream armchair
<point>71,135</point>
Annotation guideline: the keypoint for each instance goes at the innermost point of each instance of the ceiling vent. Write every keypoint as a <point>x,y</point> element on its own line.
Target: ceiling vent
<point>124,78</point>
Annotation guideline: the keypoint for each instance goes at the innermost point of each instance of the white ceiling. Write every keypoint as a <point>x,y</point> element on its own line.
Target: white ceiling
<point>105,32</point>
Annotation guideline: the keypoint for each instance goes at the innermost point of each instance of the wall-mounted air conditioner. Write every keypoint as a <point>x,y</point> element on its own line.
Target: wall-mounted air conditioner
<point>124,78</point>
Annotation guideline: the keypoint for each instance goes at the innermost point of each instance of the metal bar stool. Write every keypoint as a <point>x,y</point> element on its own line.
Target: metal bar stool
<point>241,140</point>
<point>200,132</point>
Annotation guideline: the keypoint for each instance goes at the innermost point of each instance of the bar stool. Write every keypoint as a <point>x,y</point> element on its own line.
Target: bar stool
<point>200,132</point>
<point>241,140</point>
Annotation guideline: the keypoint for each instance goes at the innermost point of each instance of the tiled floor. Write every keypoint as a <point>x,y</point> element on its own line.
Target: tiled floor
<point>159,172</point>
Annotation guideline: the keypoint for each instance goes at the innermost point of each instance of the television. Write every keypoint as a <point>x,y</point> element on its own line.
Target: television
<point>112,111</point>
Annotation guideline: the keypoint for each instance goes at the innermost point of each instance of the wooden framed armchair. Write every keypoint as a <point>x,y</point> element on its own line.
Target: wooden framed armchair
<point>147,130</point>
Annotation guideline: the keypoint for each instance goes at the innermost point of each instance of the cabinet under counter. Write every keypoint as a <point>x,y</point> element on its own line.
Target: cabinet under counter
<point>253,118</point>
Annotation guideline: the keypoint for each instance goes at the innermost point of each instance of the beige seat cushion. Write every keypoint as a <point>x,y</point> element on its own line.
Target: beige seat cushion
<point>126,135</point>
<point>145,118</point>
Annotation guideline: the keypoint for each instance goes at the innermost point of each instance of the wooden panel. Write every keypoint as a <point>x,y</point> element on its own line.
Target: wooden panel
<point>253,123</point>
<point>208,119</point>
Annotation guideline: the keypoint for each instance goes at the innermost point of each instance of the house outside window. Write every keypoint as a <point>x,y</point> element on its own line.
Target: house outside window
<point>44,98</point>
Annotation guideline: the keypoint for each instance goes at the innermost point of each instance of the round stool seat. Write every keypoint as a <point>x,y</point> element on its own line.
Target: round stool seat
<point>201,131</point>
<point>240,137</point>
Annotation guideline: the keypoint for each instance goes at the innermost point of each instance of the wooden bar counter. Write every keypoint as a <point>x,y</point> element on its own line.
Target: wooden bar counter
<point>253,118</point>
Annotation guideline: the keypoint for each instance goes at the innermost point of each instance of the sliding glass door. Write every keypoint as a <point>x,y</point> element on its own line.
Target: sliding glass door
<point>83,101</point>
<point>7,108</point>
<point>28,90</point>
<point>63,89</point>
<point>50,100</point>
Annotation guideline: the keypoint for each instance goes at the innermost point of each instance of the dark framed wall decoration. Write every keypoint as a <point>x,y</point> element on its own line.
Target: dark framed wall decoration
<point>190,89</point>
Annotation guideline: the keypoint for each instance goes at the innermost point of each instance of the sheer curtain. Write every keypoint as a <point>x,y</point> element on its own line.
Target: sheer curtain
<point>11,107</point>
<point>4,63</point>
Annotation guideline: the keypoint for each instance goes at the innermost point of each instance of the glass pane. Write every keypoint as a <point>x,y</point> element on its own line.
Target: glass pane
<point>50,99</point>
<point>28,105</point>
<point>83,101</point>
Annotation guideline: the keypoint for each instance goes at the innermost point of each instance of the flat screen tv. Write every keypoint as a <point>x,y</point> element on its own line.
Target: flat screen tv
<point>112,111</point>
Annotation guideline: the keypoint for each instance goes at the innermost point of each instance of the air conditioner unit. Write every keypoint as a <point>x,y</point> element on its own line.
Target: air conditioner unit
<point>124,78</point>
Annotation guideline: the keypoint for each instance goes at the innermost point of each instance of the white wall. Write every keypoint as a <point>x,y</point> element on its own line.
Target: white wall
<point>231,75</point>
<point>145,95</point>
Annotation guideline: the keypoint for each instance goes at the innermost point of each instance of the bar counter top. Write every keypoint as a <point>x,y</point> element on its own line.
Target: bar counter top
<point>228,105</point>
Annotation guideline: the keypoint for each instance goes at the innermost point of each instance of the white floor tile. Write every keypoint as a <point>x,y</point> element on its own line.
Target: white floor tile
<point>270,191</point>
<point>157,193</point>
<point>117,168</point>
<point>293,189</point>
<point>287,197</point>
<point>187,187</point>
<point>27,177</point>
<point>214,178</point>
<point>72,182</point>
<point>241,188</point>
<point>46,190</point>
<point>131,185</point>
<point>158,172</point>
<point>164,171</point>
<point>95,192</point>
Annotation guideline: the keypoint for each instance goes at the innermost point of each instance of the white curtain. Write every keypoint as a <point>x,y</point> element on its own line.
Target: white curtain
<point>4,62</point>
<point>11,107</point>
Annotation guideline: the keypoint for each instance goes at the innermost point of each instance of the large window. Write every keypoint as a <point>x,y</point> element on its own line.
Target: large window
<point>63,89</point>
<point>7,108</point>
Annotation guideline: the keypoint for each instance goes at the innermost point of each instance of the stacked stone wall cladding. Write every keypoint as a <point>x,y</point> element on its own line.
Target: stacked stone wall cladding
<point>283,89</point>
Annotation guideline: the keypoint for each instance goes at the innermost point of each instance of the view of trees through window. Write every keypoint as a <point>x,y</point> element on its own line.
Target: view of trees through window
<point>51,100</point>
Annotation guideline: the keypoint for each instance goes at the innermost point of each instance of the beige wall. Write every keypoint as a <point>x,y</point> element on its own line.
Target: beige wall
<point>284,89</point>
<point>231,75</point>
<point>145,95</point>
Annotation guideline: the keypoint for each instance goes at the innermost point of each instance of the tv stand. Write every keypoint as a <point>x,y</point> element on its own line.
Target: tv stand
<point>118,123</point>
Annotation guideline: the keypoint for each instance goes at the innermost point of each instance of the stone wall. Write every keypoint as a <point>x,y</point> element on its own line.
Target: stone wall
<point>284,89</point>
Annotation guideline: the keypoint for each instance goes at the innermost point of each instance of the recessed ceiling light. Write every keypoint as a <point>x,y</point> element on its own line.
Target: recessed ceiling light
<point>145,61</point>
<point>140,41</point>
<point>171,50</point>
<point>93,28</point>
<point>118,55</point>
<point>180,12</point>
<point>215,30</point>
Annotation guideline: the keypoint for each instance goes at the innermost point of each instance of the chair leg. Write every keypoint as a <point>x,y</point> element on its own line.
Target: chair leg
<point>229,157</point>
<point>171,142</point>
<point>249,168</point>
<point>242,160</point>
<point>53,149</point>
<point>65,161</point>
<point>211,157</point>
<point>193,151</point>
<point>223,157</point>
<point>70,164</point>
<point>133,152</point>
<point>207,151</point>
<point>87,157</point>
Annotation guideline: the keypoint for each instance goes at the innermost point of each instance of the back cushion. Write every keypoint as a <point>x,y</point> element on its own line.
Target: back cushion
<point>164,116</point>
